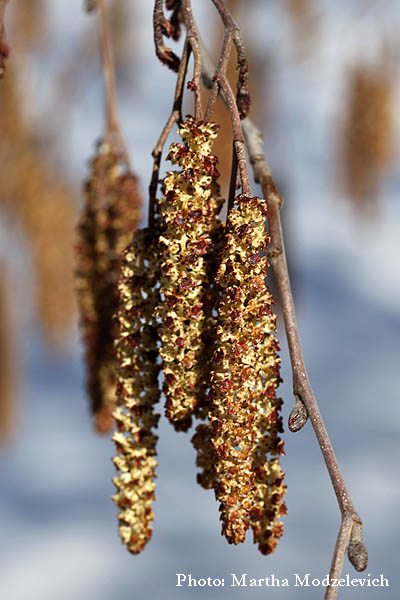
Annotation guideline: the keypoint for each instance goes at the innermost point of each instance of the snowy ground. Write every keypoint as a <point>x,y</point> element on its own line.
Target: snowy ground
<point>57,523</point>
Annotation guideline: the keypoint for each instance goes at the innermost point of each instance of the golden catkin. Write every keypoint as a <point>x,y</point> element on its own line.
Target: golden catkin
<point>189,231</point>
<point>367,137</point>
<point>244,422</point>
<point>137,390</point>
<point>110,215</point>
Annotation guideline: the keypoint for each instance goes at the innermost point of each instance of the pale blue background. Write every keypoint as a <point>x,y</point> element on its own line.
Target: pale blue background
<point>58,530</point>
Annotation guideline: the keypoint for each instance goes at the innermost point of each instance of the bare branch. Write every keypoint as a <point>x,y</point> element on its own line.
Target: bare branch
<point>233,32</point>
<point>175,116</point>
<point>113,133</point>
<point>301,386</point>
<point>193,39</point>
<point>3,4</point>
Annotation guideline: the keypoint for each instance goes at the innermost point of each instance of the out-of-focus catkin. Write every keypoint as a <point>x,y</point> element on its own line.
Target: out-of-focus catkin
<point>190,229</point>
<point>244,420</point>
<point>110,215</point>
<point>7,366</point>
<point>137,390</point>
<point>367,137</point>
<point>37,197</point>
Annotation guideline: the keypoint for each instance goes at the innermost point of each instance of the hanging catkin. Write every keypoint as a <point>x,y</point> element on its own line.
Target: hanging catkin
<point>137,390</point>
<point>190,230</point>
<point>8,382</point>
<point>110,215</point>
<point>244,421</point>
<point>367,137</point>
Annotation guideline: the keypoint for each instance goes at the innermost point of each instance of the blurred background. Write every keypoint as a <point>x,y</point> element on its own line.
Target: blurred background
<point>325,81</point>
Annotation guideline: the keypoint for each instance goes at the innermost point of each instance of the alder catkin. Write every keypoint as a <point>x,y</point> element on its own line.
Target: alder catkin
<point>367,137</point>
<point>244,421</point>
<point>35,195</point>
<point>190,230</point>
<point>110,215</point>
<point>8,380</point>
<point>137,390</point>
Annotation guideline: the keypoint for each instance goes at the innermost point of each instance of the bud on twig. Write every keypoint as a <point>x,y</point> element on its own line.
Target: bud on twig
<point>298,416</point>
<point>357,551</point>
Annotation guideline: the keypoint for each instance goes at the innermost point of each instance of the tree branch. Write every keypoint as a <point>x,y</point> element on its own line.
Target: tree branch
<point>233,33</point>
<point>193,39</point>
<point>175,116</point>
<point>351,521</point>
<point>113,133</point>
<point>3,4</point>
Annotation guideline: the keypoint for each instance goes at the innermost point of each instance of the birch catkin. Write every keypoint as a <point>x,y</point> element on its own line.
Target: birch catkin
<point>244,421</point>
<point>110,215</point>
<point>190,228</point>
<point>137,391</point>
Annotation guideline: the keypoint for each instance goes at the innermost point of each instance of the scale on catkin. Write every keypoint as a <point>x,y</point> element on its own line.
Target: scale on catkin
<point>110,215</point>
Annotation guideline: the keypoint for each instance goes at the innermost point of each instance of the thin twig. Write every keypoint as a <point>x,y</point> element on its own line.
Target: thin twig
<point>3,4</point>
<point>113,133</point>
<point>175,116</point>
<point>220,81</point>
<point>233,31</point>
<point>221,68</point>
<point>193,39</point>
<point>301,386</point>
<point>238,139</point>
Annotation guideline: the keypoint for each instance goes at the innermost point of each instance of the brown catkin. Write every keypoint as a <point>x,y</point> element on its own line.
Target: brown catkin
<point>110,215</point>
<point>7,368</point>
<point>189,232</point>
<point>45,206</point>
<point>4,52</point>
<point>137,390</point>
<point>367,136</point>
<point>244,421</point>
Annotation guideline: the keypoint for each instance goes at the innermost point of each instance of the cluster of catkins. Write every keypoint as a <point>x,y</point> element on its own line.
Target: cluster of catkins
<point>193,299</point>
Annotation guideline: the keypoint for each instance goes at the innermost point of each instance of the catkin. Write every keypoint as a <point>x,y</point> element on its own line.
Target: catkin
<point>367,138</point>
<point>8,382</point>
<point>137,390</point>
<point>110,215</point>
<point>39,199</point>
<point>244,422</point>
<point>190,231</point>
